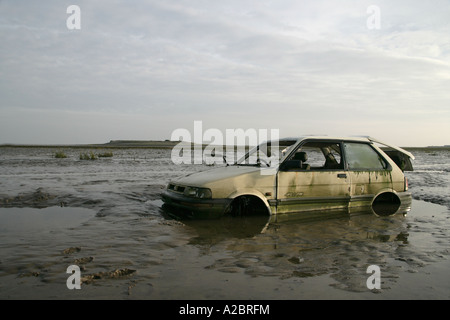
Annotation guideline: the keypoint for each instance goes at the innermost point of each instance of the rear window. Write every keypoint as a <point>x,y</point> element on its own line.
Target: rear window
<point>361,156</point>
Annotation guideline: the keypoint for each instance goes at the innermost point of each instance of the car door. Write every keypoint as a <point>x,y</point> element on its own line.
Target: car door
<point>368,171</point>
<point>313,178</point>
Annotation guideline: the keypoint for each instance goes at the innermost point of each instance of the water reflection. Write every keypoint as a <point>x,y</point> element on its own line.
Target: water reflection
<point>333,225</point>
<point>341,248</point>
<point>214,231</point>
<point>25,220</point>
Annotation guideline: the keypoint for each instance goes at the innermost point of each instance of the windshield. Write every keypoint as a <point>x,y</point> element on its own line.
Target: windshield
<point>267,153</point>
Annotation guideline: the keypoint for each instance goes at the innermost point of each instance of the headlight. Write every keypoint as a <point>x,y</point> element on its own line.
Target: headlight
<point>202,193</point>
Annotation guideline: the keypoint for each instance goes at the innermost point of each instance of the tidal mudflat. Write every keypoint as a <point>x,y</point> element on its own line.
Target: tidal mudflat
<point>105,217</point>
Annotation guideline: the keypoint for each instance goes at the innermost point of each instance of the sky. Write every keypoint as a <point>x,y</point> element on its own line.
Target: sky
<point>140,70</point>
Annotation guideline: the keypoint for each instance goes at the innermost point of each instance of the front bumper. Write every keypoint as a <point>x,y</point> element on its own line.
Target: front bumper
<point>196,208</point>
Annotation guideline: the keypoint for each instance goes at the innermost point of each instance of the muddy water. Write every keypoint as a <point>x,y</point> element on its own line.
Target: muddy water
<point>105,217</point>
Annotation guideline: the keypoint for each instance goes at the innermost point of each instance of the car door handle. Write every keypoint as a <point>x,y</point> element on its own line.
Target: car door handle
<point>342,175</point>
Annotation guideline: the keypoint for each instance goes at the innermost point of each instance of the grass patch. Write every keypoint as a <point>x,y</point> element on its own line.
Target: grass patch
<point>60,155</point>
<point>88,156</point>
<point>105,155</point>
<point>92,156</point>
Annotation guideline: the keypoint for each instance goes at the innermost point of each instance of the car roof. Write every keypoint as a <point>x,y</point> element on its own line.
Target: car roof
<point>324,137</point>
<point>367,139</point>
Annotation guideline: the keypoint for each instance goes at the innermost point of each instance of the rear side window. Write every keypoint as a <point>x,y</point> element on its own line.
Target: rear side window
<point>361,156</point>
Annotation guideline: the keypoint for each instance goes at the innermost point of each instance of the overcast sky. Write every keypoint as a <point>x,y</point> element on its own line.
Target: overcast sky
<point>142,69</point>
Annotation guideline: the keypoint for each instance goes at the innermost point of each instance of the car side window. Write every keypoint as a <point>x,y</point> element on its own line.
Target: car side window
<point>319,155</point>
<point>361,156</point>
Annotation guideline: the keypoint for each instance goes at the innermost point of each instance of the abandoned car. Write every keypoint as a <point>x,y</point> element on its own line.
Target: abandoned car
<point>312,175</point>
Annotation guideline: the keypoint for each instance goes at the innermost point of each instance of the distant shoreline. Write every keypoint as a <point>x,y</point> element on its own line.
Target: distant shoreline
<point>112,144</point>
<point>152,144</point>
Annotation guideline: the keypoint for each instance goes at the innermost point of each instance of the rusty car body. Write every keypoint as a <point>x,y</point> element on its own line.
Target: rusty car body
<point>314,176</point>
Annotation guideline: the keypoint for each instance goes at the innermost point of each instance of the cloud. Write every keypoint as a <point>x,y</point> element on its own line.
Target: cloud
<point>234,64</point>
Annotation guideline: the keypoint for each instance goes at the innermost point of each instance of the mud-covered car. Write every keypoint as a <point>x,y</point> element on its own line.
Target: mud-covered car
<point>313,176</point>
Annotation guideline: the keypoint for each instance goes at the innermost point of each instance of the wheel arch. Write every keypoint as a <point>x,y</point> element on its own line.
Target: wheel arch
<point>385,203</point>
<point>250,194</point>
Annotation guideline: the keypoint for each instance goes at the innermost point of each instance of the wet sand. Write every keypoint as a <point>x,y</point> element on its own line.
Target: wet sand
<point>127,248</point>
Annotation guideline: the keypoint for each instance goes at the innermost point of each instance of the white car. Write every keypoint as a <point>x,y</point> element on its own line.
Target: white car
<point>314,176</point>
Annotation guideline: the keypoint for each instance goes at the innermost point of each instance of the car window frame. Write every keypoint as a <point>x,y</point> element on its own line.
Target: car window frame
<point>388,166</point>
<point>324,141</point>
